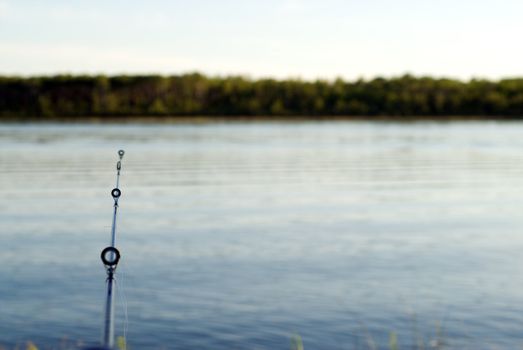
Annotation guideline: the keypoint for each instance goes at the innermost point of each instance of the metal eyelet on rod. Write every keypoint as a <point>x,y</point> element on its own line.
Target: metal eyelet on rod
<point>110,256</point>
<point>116,193</point>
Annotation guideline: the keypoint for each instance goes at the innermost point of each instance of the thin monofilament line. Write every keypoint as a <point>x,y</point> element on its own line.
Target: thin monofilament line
<point>113,227</point>
<point>117,188</point>
<point>118,168</point>
<point>123,300</point>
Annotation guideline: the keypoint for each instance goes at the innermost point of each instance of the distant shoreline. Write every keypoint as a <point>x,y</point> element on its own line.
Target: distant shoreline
<point>199,97</point>
<point>248,119</point>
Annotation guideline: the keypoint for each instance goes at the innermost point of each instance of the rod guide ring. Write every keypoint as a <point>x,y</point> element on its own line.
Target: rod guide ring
<point>110,256</point>
<point>116,193</point>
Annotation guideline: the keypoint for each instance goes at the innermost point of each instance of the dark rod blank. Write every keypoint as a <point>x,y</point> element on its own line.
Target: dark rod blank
<point>110,257</point>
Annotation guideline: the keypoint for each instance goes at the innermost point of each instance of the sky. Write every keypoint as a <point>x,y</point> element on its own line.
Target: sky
<point>306,39</point>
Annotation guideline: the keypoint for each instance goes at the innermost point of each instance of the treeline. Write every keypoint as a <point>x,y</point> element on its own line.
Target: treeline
<point>199,95</point>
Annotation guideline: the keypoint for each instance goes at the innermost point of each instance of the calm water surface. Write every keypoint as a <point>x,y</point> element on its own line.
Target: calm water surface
<point>242,236</point>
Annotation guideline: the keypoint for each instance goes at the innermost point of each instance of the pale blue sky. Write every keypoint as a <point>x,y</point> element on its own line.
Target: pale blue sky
<point>287,38</point>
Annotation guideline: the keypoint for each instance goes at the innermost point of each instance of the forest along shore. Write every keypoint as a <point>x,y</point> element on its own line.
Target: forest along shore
<point>152,97</point>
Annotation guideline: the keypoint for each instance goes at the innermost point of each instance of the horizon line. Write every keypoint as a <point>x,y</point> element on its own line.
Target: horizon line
<point>250,77</point>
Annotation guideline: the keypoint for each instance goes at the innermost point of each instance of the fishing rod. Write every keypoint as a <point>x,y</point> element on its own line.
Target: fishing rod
<point>110,257</point>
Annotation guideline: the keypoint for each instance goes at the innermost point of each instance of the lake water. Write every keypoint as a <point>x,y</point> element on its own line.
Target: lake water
<point>247,236</point>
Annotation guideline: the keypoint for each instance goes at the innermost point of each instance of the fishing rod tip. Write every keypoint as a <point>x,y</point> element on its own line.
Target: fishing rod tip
<point>121,153</point>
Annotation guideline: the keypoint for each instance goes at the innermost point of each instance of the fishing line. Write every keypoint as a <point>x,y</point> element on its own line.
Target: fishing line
<point>125,281</point>
<point>120,289</point>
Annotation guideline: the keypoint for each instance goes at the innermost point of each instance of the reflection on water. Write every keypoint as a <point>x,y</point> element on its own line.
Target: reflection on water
<point>237,236</point>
